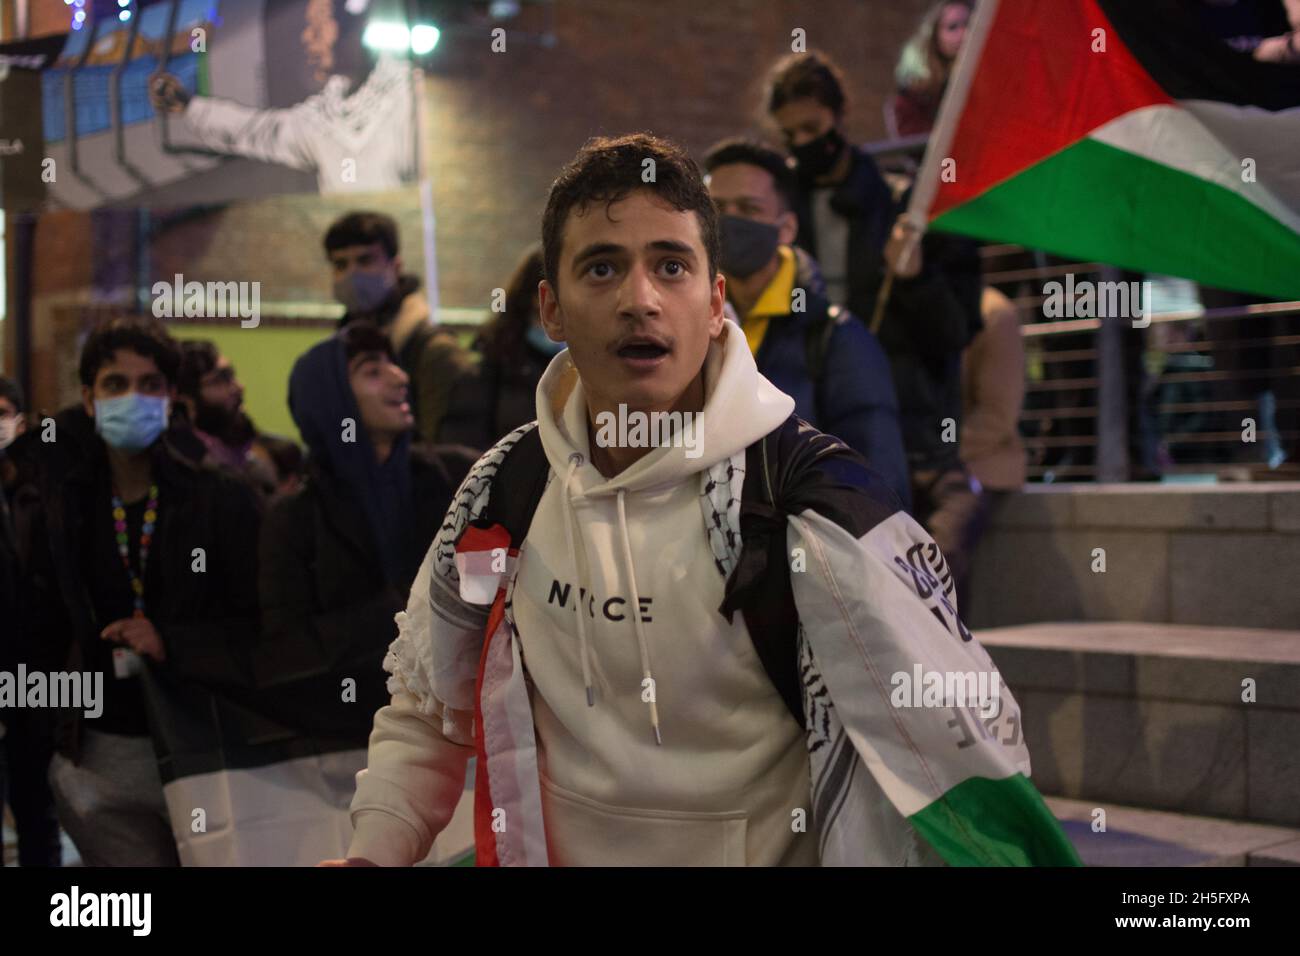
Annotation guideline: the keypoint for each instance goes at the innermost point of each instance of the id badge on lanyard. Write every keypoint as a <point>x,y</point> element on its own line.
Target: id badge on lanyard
<point>126,663</point>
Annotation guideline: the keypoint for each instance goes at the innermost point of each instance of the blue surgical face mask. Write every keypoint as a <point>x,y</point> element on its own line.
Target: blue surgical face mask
<point>536,337</point>
<point>130,422</point>
<point>362,292</point>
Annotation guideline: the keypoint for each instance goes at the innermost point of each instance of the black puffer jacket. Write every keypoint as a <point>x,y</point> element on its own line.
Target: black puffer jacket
<point>327,611</point>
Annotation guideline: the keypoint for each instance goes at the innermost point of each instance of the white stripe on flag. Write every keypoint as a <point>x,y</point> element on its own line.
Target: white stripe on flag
<point>293,813</point>
<point>508,738</point>
<point>1177,137</point>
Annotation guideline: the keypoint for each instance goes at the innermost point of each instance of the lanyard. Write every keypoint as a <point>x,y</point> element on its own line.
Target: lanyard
<point>146,537</point>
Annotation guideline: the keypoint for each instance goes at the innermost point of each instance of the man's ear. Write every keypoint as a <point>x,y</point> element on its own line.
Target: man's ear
<point>788,227</point>
<point>717,304</point>
<point>397,266</point>
<point>88,400</point>
<point>549,309</point>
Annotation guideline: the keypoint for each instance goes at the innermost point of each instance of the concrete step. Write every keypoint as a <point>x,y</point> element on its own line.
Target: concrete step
<point>1152,715</point>
<point>1137,837</point>
<point>1218,555</point>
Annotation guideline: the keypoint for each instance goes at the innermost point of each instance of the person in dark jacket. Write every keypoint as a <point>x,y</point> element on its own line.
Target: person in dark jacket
<point>362,249</point>
<point>515,353</point>
<point>816,353</point>
<point>25,585</point>
<point>338,556</point>
<point>155,559</point>
<point>853,222</point>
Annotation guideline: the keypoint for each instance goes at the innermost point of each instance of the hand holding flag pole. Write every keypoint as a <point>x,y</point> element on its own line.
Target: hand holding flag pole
<point>902,260</point>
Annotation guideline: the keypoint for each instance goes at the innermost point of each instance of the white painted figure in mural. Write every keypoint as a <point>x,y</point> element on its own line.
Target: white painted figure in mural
<point>357,134</point>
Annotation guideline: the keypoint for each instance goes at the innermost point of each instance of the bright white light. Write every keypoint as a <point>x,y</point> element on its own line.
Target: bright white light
<point>123,3</point>
<point>424,37</point>
<point>124,15</point>
<point>386,36</point>
<point>79,15</point>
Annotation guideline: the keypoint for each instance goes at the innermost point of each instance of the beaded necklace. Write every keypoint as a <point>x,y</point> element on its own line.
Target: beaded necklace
<point>146,536</point>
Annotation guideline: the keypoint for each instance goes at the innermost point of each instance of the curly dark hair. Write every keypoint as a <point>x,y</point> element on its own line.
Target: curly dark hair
<point>607,169</point>
<point>361,229</point>
<point>752,153</point>
<point>359,338</point>
<point>141,334</point>
<point>812,75</point>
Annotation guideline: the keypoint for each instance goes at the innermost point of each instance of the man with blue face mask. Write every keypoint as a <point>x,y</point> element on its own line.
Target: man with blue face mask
<point>155,560</point>
<point>362,249</point>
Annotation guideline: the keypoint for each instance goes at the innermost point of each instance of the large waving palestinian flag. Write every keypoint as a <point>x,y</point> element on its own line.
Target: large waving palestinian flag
<point>1121,131</point>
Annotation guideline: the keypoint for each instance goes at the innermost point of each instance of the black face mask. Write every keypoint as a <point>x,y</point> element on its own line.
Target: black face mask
<point>817,157</point>
<point>747,245</point>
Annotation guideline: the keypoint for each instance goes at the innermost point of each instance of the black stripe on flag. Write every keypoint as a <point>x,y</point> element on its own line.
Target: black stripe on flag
<point>1190,62</point>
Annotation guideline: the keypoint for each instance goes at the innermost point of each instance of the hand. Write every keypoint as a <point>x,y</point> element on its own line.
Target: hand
<point>137,633</point>
<point>904,241</point>
<point>167,93</point>
<point>350,861</point>
<point>1283,49</point>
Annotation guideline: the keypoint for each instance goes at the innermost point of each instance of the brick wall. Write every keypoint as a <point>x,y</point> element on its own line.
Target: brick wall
<point>502,124</point>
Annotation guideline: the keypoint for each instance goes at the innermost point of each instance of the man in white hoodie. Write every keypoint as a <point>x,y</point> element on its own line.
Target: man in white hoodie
<point>619,713</point>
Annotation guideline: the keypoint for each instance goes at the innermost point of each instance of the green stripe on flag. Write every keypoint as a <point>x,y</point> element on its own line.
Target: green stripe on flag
<point>1094,201</point>
<point>983,822</point>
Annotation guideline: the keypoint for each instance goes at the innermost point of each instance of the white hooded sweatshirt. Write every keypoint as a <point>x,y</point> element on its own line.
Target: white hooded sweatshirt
<point>730,779</point>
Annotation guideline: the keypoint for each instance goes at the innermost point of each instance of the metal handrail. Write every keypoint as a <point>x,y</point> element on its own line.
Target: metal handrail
<point>1071,326</point>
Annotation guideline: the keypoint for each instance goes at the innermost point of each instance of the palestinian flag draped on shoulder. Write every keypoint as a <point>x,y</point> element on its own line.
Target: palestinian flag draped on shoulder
<point>1124,132</point>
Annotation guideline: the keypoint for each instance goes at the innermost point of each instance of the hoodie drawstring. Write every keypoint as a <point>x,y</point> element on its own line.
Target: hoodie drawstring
<point>575,460</point>
<point>578,555</point>
<point>636,620</point>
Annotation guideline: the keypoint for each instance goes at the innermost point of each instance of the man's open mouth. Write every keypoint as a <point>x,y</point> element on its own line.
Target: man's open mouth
<point>643,348</point>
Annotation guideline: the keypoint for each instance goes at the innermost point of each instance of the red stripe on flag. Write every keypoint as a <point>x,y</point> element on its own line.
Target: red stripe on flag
<point>485,843</point>
<point>1039,88</point>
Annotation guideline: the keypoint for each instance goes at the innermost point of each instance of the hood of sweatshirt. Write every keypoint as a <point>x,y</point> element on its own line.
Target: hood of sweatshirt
<point>320,401</point>
<point>740,407</point>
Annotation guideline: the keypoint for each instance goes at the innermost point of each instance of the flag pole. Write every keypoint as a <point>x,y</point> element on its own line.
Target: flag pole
<point>937,150</point>
<point>423,165</point>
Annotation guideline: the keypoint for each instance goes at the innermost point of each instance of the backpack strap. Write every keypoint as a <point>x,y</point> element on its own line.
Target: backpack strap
<point>817,341</point>
<point>759,586</point>
<point>816,346</point>
<point>517,488</point>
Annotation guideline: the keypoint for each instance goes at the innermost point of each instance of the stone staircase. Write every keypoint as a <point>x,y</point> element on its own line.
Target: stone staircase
<point>1165,689</point>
